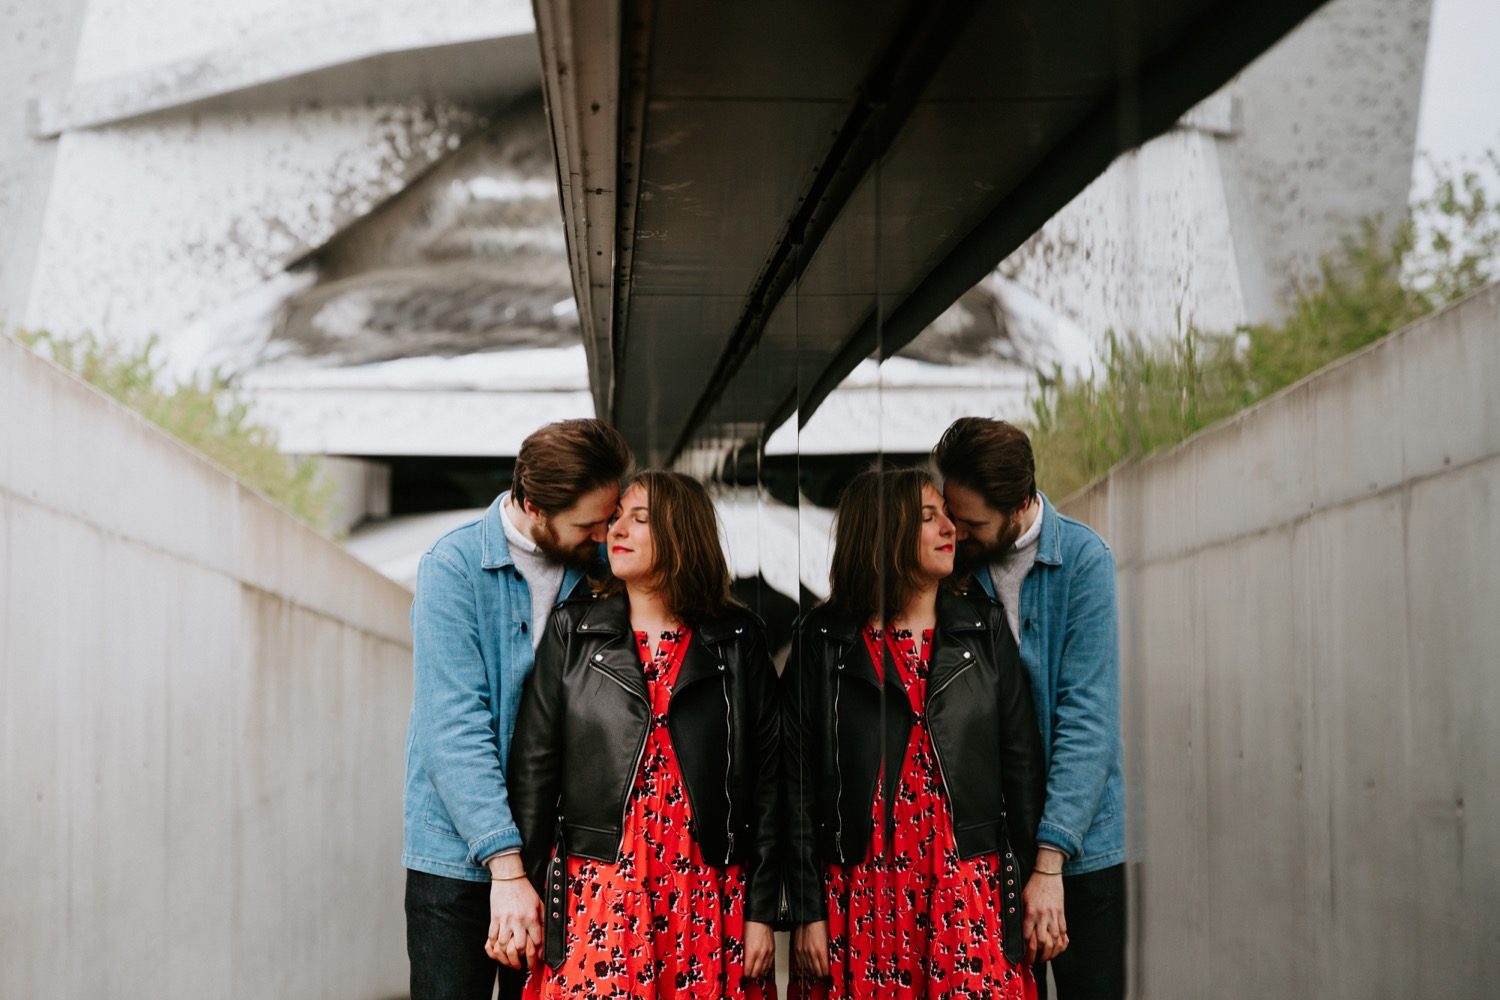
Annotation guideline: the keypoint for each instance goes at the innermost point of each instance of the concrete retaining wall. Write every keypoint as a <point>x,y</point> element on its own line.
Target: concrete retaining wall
<point>202,721</point>
<point>1312,681</point>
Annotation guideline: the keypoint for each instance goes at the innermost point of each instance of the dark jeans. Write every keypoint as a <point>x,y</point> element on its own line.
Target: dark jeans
<point>447,921</point>
<point>1093,967</point>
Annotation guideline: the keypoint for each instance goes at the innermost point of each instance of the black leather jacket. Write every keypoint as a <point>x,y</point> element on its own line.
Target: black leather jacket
<point>838,717</point>
<point>582,728</point>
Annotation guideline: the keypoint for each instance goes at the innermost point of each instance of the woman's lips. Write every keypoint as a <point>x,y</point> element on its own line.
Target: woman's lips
<point>620,549</point>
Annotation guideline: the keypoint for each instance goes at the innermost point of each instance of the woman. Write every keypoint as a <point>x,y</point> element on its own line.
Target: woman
<point>643,772</point>
<point>913,766</point>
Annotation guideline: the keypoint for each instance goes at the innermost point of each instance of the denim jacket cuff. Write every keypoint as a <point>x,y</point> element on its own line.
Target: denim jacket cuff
<point>491,844</point>
<point>1070,842</point>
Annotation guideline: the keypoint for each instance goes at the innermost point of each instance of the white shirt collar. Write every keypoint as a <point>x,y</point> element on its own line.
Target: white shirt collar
<point>1031,534</point>
<point>517,538</point>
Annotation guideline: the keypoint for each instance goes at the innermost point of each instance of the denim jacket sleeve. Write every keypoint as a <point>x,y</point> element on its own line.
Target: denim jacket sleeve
<point>453,730</point>
<point>1086,719</point>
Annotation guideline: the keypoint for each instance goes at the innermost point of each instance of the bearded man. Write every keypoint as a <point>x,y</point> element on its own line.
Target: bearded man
<point>1055,579</point>
<point>484,593</point>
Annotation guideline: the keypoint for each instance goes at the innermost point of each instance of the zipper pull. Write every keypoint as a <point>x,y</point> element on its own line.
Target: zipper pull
<point>838,844</point>
<point>731,847</point>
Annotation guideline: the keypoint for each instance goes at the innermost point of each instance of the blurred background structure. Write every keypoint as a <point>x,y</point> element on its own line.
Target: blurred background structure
<point>803,241</point>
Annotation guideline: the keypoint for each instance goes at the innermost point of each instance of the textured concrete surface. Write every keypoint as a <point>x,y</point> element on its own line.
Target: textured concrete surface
<point>201,211</point>
<point>1217,222</point>
<point>36,55</point>
<point>1312,680</point>
<point>134,61</point>
<point>178,158</point>
<point>202,717</point>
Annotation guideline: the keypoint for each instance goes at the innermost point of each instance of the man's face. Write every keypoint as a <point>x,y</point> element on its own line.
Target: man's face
<point>573,535</point>
<point>984,534</point>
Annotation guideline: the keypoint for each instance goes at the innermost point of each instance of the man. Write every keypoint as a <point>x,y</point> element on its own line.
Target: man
<point>1055,578</point>
<point>484,592</point>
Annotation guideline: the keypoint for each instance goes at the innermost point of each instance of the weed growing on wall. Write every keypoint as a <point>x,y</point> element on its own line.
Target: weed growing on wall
<point>208,417</point>
<point>1147,396</point>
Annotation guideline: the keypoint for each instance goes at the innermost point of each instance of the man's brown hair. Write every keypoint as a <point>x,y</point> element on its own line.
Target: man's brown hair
<point>560,462</point>
<point>990,457</point>
<point>877,534</point>
<point>691,571</point>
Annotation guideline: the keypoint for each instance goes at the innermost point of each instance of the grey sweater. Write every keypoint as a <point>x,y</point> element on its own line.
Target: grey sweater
<point>1012,568</point>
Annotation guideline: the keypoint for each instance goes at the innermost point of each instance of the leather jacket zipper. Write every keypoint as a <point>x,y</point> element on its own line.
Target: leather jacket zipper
<point>961,671</point>
<point>937,754</point>
<point>838,769</point>
<point>640,752</point>
<point>728,768</point>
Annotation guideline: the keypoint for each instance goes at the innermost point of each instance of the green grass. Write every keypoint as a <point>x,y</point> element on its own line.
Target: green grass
<point>208,417</point>
<point>1148,396</point>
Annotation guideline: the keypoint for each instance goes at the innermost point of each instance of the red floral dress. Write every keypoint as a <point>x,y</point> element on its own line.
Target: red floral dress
<point>663,922</point>
<point>913,919</point>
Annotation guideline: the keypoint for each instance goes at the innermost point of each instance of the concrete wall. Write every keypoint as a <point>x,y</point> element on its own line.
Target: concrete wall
<point>37,42</point>
<point>202,718</point>
<point>164,162</point>
<point>1216,222</point>
<point>1312,681</point>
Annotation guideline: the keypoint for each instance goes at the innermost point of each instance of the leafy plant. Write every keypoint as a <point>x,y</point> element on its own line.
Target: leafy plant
<point>207,416</point>
<point>1147,396</point>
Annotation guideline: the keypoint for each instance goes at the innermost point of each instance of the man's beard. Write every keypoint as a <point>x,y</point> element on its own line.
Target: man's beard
<point>977,553</point>
<point>546,539</point>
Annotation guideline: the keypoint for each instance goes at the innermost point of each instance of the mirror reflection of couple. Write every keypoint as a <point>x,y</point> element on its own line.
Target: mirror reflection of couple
<point>610,793</point>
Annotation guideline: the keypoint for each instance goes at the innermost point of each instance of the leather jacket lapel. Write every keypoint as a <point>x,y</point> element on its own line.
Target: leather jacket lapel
<point>858,665</point>
<point>610,642</point>
<point>705,657</point>
<point>953,642</point>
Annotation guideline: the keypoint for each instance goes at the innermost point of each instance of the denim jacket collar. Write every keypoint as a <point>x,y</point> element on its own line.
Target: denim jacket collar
<point>1049,545</point>
<point>1048,549</point>
<point>494,547</point>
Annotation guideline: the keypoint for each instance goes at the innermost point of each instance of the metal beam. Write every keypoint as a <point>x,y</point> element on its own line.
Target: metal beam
<point>917,48</point>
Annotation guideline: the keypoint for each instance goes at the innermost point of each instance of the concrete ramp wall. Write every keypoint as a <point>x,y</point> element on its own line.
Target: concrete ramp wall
<point>202,723</point>
<point>1311,667</point>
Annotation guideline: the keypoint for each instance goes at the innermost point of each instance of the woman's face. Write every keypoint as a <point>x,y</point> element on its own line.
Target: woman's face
<point>632,550</point>
<point>935,541</point>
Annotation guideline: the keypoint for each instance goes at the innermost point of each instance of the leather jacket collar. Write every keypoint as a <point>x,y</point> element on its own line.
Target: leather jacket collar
<point>609,617</point>
<point>955,618</point>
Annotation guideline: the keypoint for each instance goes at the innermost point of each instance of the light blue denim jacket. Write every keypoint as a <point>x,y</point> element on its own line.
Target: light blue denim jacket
<point>472,653</point>
<point>1071,648</point>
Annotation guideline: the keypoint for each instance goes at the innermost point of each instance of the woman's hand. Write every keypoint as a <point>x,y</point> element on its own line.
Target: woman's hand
<point>760,949</point>
<point>810,949</point>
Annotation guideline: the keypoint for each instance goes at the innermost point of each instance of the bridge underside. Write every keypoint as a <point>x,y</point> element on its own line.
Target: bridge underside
<point>760,195</point>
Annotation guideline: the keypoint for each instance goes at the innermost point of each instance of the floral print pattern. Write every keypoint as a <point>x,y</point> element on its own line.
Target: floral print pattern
<point>913,920</point>
<point>662,923</point>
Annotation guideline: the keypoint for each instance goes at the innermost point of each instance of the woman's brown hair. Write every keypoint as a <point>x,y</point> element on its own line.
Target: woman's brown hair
<point>691,571</point>
<point>877,533</point>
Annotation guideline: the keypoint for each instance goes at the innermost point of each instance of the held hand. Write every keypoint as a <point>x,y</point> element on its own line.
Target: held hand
<point>760,949</point>
<point>810,949</point>
<point>1045,926</point>
<point>515,936</point>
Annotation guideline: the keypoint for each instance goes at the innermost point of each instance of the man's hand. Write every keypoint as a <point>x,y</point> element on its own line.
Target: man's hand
<point>810,949</point>
<point>515,937</point>
<point>1045,926</point>
<point>760,949</point>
